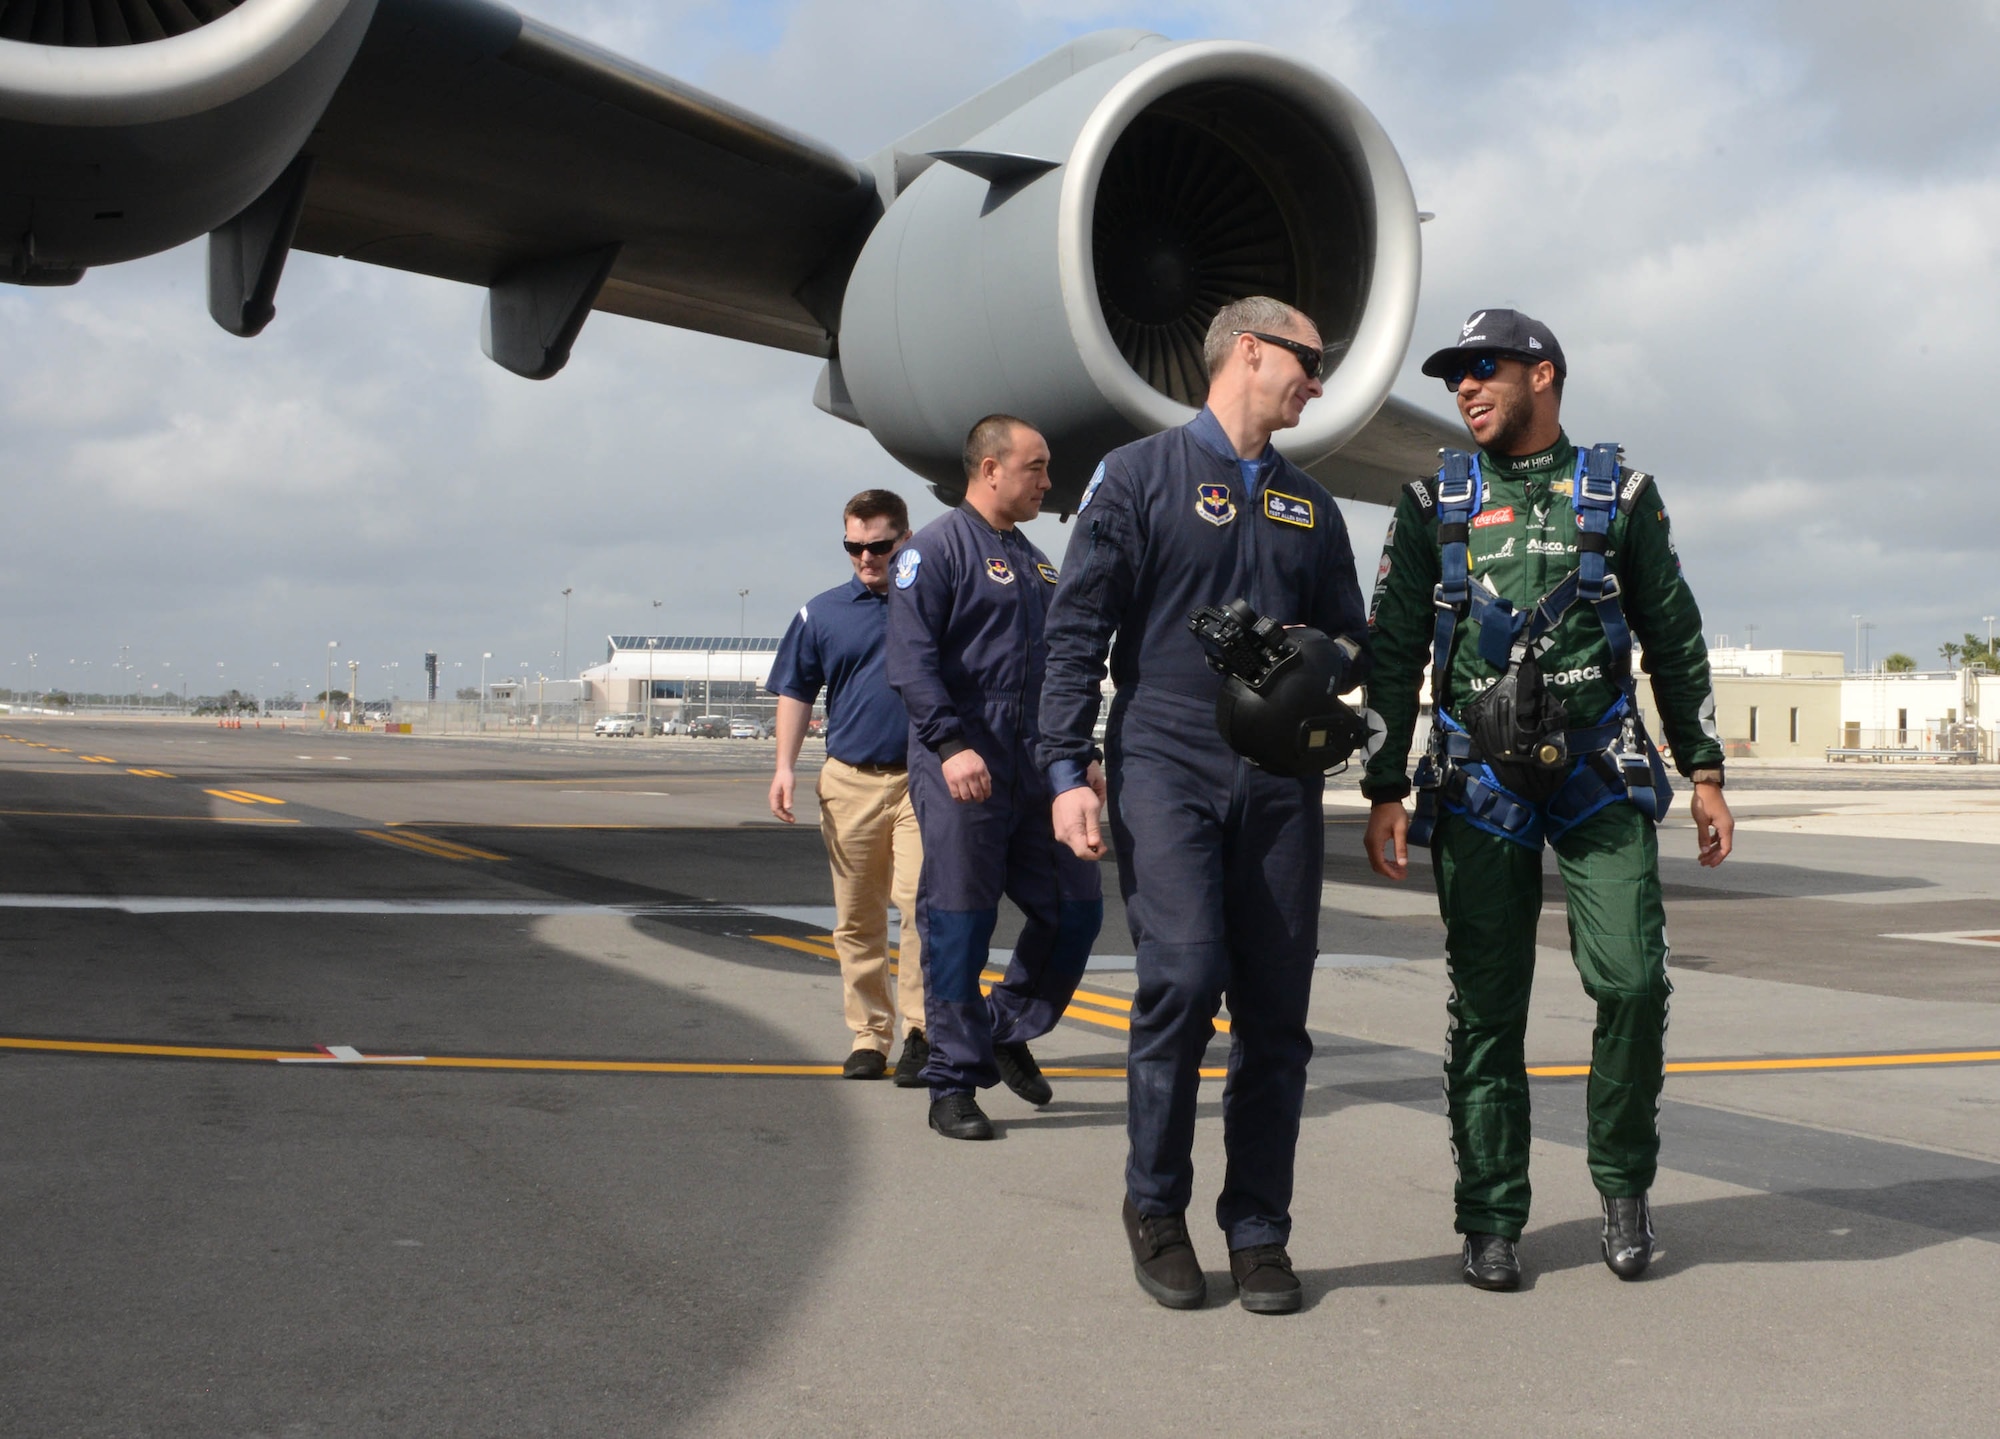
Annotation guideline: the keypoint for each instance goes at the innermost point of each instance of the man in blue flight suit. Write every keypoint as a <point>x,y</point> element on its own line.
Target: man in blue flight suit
<point>966,609</point>
<point>1220,863</point>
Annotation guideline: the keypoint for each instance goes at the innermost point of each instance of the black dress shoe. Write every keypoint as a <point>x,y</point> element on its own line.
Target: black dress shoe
<point>910,1063</point>
<point>864,1064</point>
<point>1489,1262</point>
<point>1628,1235</point>
<point>1163,1259</point>
<point>1020,1073</point>
<point>958,1116</point>
<point>1264,1279</point>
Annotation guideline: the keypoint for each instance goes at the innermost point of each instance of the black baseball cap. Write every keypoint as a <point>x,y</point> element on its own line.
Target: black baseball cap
<point>1500,332</point>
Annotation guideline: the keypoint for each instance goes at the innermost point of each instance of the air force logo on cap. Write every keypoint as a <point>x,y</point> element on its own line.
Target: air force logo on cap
<point>906,568</point>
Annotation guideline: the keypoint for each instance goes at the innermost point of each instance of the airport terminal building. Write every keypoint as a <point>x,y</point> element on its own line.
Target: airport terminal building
<point>684,675</point>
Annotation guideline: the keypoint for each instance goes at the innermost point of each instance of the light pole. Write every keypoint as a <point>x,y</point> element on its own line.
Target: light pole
<point>565,648</point>
<point>1989,633</point>
<point>326,709</point>
<point>652,647</point>
<point>1857,643</point>
<point>353,690</point>
<point>483,658</point>
<point>1867,627</point>
<point>742,633</point>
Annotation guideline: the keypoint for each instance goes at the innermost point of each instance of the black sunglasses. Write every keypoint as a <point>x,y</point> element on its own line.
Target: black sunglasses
<point>1308,357</point>
<point>1480,367</point>
<point>878,548</point>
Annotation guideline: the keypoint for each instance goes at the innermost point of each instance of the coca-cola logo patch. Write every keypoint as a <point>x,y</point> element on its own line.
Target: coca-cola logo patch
<point>1502,516</point>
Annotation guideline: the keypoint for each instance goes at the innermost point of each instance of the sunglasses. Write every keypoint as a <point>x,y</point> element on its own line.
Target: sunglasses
<point>1481,368</point>
<point>877,548</point>
<point>1311,359</point>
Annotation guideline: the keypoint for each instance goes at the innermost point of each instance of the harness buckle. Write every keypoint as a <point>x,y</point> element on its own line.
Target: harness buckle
<point>1441,601</point>
<point>1588,488</point>
<point>1457,480</point>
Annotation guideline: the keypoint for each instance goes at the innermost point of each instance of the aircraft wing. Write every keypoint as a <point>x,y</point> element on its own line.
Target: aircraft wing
<point>468,141</point>
<point>1399,445</point>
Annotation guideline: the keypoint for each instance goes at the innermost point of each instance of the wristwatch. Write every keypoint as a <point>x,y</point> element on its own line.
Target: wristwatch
<point>1708,774</point>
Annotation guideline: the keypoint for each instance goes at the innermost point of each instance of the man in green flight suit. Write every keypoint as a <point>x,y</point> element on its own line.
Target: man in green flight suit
<point>1530,571</point>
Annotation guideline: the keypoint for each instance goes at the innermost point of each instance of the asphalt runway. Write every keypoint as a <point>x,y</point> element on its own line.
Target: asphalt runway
<point>381,1085</point>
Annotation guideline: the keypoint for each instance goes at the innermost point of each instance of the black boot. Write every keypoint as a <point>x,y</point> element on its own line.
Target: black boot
<point>1628,1235</point>
<point>1489,1262</point>
<point>910,1064</point>
<point>958,1116</point>
<point>1163,1259</point>
<point>1020,1073</point>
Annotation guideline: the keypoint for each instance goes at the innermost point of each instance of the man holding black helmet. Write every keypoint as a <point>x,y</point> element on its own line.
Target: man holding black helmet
<point>1523,576</point>
<point>1219,861</point>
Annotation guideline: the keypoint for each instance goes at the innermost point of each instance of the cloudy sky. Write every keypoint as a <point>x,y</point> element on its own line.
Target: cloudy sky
<point>1766,234</point>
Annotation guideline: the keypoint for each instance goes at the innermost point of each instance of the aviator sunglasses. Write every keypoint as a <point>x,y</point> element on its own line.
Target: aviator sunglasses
<point>1482,368</point>
<point>878,548</point>
<point>1308,357</point>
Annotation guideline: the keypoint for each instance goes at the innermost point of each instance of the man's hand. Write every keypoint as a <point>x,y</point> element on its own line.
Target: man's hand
<point>968,779</point>
<point>1387,839</point>
<point>781,795</point>
<point>1714,825</point>
<point>1075,816</point>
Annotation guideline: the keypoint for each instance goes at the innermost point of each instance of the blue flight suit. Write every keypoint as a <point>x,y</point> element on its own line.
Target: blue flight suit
<point>1220,862</point>
<point>965,651</point>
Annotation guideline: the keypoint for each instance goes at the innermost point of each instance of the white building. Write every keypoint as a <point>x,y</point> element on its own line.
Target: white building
<point>686,675</point>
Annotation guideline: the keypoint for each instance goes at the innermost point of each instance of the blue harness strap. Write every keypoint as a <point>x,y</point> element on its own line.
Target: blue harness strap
<point>1616,760</point>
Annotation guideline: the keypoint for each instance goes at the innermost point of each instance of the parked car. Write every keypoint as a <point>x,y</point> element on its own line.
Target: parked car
<point>617,726</point>
<point>709,727</point>
<point>742,729</point>
<point>673,726</point>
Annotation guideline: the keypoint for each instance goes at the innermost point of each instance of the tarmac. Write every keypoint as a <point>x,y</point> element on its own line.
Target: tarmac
<point>367,1084</point>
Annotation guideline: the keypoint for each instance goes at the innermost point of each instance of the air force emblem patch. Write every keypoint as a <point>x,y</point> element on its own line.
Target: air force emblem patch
<point>906,568</point>
<point>1047,571</point>
<point>998,572</point>
<point>1288,509</point>
<point>1090,490</point>
<point>1213,504</point>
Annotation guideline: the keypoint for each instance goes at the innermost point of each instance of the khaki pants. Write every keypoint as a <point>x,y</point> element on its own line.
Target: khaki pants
<point>870,829</point>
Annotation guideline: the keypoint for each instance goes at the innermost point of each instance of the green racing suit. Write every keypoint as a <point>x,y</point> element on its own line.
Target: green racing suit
<point>1523,544</point>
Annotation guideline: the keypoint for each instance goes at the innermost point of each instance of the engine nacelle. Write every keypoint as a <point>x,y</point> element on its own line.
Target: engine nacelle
<point>126,129</point>
<point>1064,264</point>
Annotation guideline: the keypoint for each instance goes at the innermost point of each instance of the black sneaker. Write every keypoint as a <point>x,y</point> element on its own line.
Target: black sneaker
<point>1264,1279</point>
<point>865,1064</point>
<point>958,1116</point>
<point>1489,1262</point>
<point>1628,1235</point>
<point>910,1063</point>
<point>1163,1259</point>
<point>1020,1073</point>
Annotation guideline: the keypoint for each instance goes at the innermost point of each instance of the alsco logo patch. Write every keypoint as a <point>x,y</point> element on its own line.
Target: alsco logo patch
<point>1502,516</point>
<point>999,573</point>
<point>1213,504</point>
<point>1288,509</point>
<point>1047,571</point>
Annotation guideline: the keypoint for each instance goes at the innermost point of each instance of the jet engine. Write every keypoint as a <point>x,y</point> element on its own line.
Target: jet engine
<point>1063,264</point>
<point>130,126</point>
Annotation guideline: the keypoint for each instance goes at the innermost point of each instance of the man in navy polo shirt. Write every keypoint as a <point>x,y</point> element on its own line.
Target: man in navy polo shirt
<point>865,814</point>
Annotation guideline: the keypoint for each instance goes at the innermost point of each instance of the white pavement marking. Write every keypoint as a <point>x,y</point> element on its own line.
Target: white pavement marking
<point>150,904</point>
<point>1984,939</point>
<point>1918,895</point>
<point>1375,902</point>
<point>347,1054</point>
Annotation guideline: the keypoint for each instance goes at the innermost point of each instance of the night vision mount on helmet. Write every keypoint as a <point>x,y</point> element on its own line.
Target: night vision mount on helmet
<point>1280,705</point>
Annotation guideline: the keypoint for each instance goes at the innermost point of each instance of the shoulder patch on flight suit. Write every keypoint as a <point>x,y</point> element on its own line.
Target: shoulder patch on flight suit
<point>1628,496</point>
<point>1420,491</point>
<point>1213,504</point>
<point>906,568</point>
<point>1047,571</point>
<point>1288,509</point>
<point>999,573</point>
<point>1090,490</point>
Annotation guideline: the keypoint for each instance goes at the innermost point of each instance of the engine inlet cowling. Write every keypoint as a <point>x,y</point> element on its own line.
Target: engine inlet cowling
<point>88,24</point>
<point>1178,178</point>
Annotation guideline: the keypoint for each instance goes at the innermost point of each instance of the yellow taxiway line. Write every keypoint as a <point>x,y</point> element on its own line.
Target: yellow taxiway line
<point>355,1059</point>
<point>1108,1011</point>
<point>431,845</point>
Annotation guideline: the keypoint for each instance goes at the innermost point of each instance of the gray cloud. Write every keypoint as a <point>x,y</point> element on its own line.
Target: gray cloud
<point>1764,233</point>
